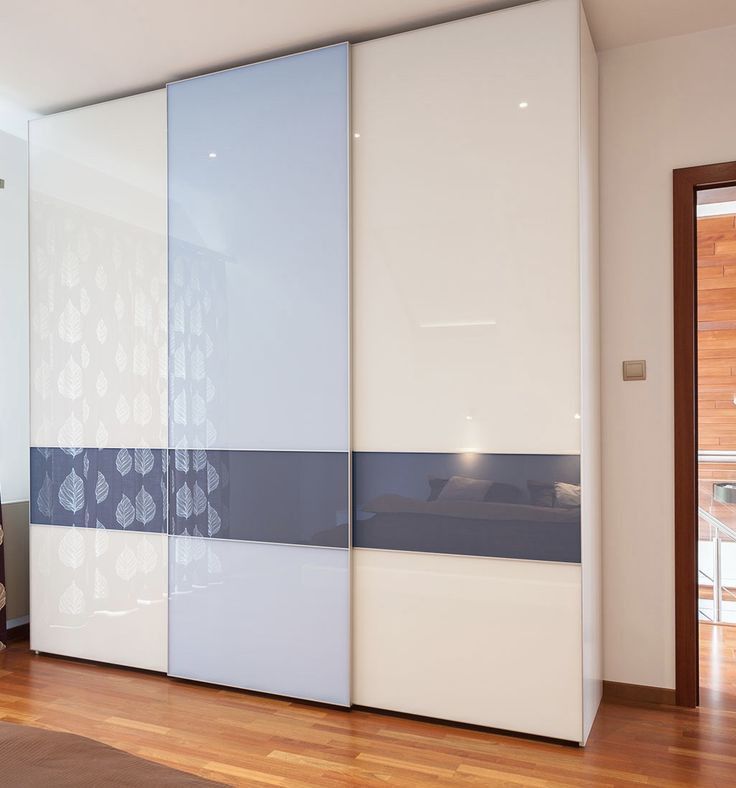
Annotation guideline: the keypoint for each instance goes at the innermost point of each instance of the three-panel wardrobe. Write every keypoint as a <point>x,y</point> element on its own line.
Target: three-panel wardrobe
<point>314,376</point>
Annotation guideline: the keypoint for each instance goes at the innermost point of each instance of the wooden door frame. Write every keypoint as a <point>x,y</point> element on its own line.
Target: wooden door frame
<point>686,182</point>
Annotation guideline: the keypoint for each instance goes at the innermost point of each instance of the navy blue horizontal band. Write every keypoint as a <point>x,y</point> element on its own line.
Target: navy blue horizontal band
<point>499,505</point>
<point>288,497</point>
<point>121,489</point>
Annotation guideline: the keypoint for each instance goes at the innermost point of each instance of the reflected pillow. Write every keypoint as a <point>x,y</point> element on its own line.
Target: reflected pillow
<point>462,488</point>
<point>550,494</point>
<point>567,495</point>
<point>495,492</point>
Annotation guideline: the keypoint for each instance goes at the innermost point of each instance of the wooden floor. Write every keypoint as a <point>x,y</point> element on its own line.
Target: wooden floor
<point>242,739</point>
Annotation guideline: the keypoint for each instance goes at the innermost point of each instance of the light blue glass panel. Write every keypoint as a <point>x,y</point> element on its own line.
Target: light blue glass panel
<point>267,617</point>
<point>258,256</point>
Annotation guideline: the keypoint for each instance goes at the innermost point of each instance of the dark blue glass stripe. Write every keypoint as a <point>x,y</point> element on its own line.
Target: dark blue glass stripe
<point>120,489</point>
<point>499,505</point>
<point>287,497</point>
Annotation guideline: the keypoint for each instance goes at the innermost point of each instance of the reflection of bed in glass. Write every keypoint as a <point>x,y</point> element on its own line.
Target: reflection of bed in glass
<point>507,506</point>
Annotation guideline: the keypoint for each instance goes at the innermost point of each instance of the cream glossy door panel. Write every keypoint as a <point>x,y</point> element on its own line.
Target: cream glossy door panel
<point>99,594</point>
<point>465,235</point>
<point>98,275</point>
<point>479,640</point>
<point>99,358</point>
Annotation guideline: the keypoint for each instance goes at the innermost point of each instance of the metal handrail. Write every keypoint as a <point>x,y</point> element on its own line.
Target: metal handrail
<point>716,523</point>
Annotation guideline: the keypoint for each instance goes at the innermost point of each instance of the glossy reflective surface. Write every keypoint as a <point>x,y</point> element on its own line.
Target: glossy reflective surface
<point>258,229</point>
<point>465,236</point>
<point>287,497</point>
<point>258,386</point>
<point>119,489</point>
<point>99,594</point>
<point>272,618</point>
<point>477,640</point>
<point>98,275</point>
<point>99,382</point>
<point>504,505</point>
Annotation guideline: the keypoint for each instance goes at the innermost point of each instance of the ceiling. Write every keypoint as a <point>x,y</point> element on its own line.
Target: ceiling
<point>56,54</point>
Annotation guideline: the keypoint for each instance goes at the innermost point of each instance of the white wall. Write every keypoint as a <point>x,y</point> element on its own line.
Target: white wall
<point>664,105</point>
<point>13,307</point>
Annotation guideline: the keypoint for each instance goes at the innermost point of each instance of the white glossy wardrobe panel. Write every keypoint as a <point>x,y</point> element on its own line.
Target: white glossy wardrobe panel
<point>479,640</point>
<point>99,594</point>
<point>465,235</point>
<point>98,275</point>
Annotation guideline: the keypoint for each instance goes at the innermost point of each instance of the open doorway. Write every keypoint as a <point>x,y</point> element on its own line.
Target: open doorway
<point>705,434</point>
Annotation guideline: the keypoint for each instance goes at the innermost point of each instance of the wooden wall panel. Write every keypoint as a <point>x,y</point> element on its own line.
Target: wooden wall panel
<point>717,333</point>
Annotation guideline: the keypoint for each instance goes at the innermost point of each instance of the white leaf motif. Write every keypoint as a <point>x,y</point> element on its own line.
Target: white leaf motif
<point>84,303</point>
<point>213,521</point>
<point>184,503</point>
<point>122,409</point>
<point>197,364</point>
<point>213,478</point>
<point>199,459</point>
<point>71,601</point>
<point>143,461</point>
<point>70,435</point>
<point>102,488</point>
<point>70,324</point>
<point>44,497</point>
<point>71,549</point>
<point>145,507</point>
<point>101,436</point>
<point>180,408</point>
<point>140,359</point>
<point>200,499</point>
<point>180,363</point>
<point>124,512</point>
<point>101,332</point>
<point>147,558</point>
<point>101,588</point>
<point>70,380</point>
<point>123,462</point>
<point>101,384</point>
<point>71,492</point>
<point>119,306</point>
<point>126,565</point>
<point>181,460</point>
<point>84,355</point>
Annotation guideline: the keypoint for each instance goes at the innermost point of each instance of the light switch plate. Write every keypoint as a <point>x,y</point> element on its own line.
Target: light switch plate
<point>635,370</point>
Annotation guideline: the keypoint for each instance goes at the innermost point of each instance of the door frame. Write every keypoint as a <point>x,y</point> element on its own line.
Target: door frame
<point>685,184</point>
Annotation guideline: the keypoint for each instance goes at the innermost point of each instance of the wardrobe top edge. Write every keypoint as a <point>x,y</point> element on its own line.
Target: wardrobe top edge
<point>511,6</point>
<point>105,102</point>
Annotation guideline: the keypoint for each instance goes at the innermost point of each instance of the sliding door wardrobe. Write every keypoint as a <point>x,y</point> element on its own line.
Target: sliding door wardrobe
<point>315,374</point>
<point>258,377</point>
<point>474,377</point>
<point>99,382</point>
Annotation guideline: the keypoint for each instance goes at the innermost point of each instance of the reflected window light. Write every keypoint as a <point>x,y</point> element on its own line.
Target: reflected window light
<point>523,104</point>
<point>356,134</point>
<point>469,418</point>
<point>577,416</point>
<point>212,155</point>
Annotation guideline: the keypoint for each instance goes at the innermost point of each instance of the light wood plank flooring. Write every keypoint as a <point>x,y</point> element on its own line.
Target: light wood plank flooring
<point>244,739</point>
